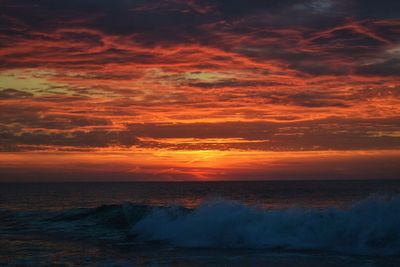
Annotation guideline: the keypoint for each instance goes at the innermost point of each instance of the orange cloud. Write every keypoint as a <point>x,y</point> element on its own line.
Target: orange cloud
<point>183,78</point>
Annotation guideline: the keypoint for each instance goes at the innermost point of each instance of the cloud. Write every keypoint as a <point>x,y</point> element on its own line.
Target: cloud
<point>14,94</point>
<point>390,67</point>
<point>291,75</point>
<point>36,117</point>
<point>327,134</point>
<point>67,140</point>
<point>319,135</point>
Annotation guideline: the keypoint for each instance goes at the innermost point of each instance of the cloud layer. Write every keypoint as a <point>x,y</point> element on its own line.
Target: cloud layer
<point>283,76</point>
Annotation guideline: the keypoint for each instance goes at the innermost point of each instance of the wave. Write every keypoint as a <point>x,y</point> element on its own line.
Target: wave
<point>369,227</point>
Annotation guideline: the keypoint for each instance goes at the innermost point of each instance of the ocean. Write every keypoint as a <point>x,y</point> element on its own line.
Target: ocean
<point>271,223</point>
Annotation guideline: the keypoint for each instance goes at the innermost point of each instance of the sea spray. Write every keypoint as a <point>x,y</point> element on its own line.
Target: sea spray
<point>371,226</point>
<point>368,227</point>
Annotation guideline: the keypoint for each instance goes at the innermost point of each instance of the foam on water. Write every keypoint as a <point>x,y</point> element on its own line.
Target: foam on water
<point>371,227</point>
<point>368,227</point>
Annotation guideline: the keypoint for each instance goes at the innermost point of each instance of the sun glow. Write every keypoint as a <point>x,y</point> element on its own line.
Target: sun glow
<point>213,96</point>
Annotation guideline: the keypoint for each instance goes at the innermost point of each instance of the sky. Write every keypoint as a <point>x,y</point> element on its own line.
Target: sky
<point>175,90</point>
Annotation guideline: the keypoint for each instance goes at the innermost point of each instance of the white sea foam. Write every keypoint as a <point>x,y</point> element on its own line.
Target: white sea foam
<point>371,227</point>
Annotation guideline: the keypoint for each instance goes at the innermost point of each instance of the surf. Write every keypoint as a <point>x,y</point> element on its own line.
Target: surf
<point>367,227</point>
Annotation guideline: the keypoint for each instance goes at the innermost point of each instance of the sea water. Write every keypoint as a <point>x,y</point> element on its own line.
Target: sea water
<point>271,223</point>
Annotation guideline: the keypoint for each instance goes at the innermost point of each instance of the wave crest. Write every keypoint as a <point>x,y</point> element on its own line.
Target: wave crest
<point>369,227</point>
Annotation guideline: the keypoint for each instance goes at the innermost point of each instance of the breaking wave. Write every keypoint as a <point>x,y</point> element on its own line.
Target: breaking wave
<point>369,227</point>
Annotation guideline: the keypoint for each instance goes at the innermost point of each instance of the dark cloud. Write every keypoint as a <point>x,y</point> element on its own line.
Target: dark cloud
<point>334,133</point>
<point>377,9</point>
<point>239,8</point>
<point>317,100</point>
<point>151,20</point>
<point>328,134</point>
<point>306,98</point>
<point>389,67</point>
<point>235,83</point>
<point>37,117</point>
<point>79,139</point>
<point>13,93</point>
<point>321,40</point>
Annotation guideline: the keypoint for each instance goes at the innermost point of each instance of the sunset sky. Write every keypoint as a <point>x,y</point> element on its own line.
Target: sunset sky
<point>126,90</point>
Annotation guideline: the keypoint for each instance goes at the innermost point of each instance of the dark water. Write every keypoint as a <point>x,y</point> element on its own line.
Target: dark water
<point>302,223</point>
